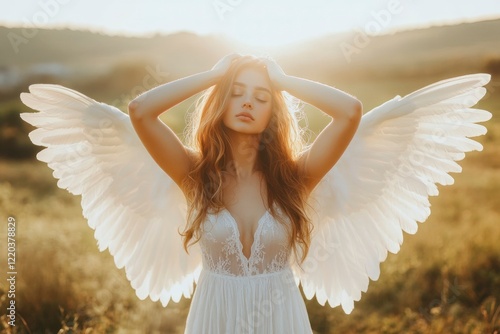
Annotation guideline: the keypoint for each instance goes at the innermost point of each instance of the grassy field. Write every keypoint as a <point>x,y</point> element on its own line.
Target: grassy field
<point>445,279</point>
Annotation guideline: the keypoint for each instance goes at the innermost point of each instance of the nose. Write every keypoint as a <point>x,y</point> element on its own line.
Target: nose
<point>247,105</point>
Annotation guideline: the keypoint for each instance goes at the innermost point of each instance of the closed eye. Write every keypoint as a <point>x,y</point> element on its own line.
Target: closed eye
<point>262,97</point>
<point>237,91</point>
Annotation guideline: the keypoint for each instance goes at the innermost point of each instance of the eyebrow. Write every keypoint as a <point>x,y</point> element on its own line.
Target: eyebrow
<point>257,88</point>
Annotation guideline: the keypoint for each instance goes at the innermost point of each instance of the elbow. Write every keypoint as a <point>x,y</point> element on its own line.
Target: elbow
<point>134,110</point>
<point>356,111</point>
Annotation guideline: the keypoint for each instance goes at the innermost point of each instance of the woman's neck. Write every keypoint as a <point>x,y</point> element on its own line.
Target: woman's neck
<point>244,150</point>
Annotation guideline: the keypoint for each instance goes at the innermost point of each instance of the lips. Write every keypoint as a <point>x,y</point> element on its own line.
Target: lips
<point>245,115</point>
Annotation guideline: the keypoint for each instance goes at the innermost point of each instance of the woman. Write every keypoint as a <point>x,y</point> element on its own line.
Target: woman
<point>263,214</point>
<point>245,153</point>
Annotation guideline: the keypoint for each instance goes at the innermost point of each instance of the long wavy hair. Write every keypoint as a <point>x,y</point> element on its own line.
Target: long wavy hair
<point>280,145</point>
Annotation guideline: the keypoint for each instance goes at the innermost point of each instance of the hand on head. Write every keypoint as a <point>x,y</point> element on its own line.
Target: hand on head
<point>224,63</point>
<point>274,71</point>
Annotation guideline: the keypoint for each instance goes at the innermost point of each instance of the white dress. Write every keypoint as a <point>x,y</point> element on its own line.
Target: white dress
<point>236,294</point>
<point>378,189</point>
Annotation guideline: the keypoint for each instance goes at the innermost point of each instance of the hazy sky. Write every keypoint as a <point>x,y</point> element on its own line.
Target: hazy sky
<point>263,22</point>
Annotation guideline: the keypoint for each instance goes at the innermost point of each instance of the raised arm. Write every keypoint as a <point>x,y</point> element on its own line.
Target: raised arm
<point>160,141</point>
<point>329,145</point>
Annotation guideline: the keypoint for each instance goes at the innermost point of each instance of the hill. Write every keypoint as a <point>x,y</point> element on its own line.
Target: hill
<point>469,46</point>
<point>442,49</point>
<point>97,52</point>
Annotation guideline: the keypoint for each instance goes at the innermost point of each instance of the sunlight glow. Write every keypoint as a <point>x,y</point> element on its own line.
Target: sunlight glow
<point>252,22</point>
<point>274,23</point>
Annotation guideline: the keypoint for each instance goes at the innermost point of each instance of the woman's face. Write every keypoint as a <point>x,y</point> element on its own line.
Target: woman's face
<point>250,105</point>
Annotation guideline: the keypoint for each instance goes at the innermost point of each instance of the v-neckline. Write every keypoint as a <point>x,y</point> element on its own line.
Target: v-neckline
<point>238,234</point>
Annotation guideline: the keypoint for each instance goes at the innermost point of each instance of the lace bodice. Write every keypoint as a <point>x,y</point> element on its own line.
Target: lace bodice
<point>223,251</point>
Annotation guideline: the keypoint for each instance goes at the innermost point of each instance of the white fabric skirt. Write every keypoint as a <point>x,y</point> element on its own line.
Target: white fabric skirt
<point>263,304</point>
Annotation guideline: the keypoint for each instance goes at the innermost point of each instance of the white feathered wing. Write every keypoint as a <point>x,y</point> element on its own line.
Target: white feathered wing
<point>380,186</point>
<point>135,209</point>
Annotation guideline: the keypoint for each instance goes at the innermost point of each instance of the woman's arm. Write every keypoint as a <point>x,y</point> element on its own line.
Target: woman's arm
<point>160,141</point>
<point>329,145</point>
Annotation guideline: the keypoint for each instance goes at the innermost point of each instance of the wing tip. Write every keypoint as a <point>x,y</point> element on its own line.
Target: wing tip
<point>26,99</point>
<point>33,88</point>
<point>25,116</point>
<point>485,78</point>
<point>481,78</point>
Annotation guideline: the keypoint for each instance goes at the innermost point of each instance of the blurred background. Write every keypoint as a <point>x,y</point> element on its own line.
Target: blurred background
<point>445,279</point>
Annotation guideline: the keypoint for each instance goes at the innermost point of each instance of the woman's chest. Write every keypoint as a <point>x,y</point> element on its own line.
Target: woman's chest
<point>223,249</point>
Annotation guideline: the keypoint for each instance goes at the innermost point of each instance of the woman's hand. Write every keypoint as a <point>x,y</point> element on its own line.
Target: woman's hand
<point>276,74</point>
<point>223,64</point>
